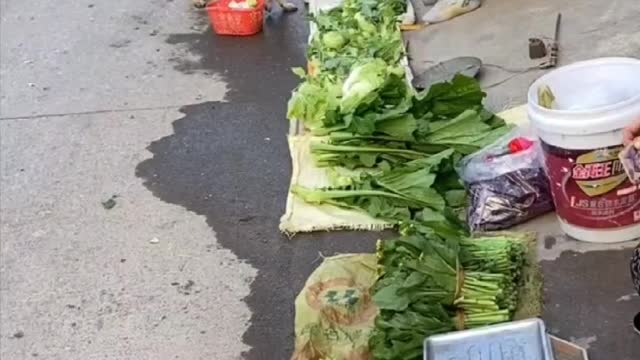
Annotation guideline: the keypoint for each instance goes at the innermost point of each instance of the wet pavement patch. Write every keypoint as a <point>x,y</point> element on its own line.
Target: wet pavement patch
<point>218,164</point>
<point>582,294</point>
<point>230,162</point>
<point>256,68</point>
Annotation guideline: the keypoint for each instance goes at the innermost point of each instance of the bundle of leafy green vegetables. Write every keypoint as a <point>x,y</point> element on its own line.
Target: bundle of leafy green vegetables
<point>361,41</point>
<point>378,123</point>
<point>415,191</point>
<point>429,286</point>
<point>355,91</point>
<point>375,108</point>
<point>403,145</point>
<point>359,29</point>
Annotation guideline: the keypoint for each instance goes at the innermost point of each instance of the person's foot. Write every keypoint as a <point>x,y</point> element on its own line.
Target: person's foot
<point>199,3</point>
<point>444,10</point>
<point>288,7</point>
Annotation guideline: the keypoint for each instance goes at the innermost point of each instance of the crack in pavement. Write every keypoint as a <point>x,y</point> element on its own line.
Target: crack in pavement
<point>92,112</point>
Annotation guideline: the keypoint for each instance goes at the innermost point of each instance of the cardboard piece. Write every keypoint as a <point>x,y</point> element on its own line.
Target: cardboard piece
<point>565,350</point>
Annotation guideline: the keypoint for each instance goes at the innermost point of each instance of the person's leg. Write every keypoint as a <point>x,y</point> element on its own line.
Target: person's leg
<point>635,276</point>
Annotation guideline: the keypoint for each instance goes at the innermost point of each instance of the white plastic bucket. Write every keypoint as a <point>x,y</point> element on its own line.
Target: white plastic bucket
<point>581,139</point>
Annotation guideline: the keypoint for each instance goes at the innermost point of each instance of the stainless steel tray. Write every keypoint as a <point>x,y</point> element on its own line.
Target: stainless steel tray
<point>519,340</point>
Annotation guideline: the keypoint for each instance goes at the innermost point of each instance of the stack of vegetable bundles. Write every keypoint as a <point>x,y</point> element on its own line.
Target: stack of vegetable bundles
<point>392,152</point>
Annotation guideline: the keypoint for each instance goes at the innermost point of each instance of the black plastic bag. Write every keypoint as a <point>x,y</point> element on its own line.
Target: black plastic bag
<point>507,184</point>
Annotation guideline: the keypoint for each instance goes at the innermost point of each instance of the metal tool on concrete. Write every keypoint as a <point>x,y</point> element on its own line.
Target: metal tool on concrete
<point>552,53</point>
<point>537,48</point>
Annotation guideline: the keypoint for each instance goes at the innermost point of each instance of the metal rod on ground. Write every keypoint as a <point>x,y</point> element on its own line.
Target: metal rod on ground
<point>553,47</point>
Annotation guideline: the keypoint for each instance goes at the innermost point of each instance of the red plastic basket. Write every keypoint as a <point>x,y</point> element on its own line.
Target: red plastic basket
<point>241,22</point>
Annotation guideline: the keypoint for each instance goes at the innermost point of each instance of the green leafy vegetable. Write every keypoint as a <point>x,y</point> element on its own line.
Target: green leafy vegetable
<point>429,286</point>
<point>333,40</point>
<point>449,99</point>
<point>351,156</point>
<point>360,87</point>
<point>317,104</point>
<point>395,195</point>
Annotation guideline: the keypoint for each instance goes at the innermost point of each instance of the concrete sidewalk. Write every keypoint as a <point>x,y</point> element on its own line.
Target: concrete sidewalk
<point>86,87</point>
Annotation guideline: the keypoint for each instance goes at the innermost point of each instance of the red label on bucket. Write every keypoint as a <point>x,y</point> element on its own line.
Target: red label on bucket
<point>591,189</point>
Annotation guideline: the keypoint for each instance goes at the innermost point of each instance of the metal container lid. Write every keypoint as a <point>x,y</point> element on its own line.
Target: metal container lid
<point>519,340</point>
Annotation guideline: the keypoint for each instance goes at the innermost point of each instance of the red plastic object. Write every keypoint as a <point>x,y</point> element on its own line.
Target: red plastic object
<point>519,144</point>
<point>239,22</point>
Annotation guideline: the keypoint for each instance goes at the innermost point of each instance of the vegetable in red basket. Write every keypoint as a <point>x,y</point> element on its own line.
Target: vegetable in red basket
<point>249,4</point>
